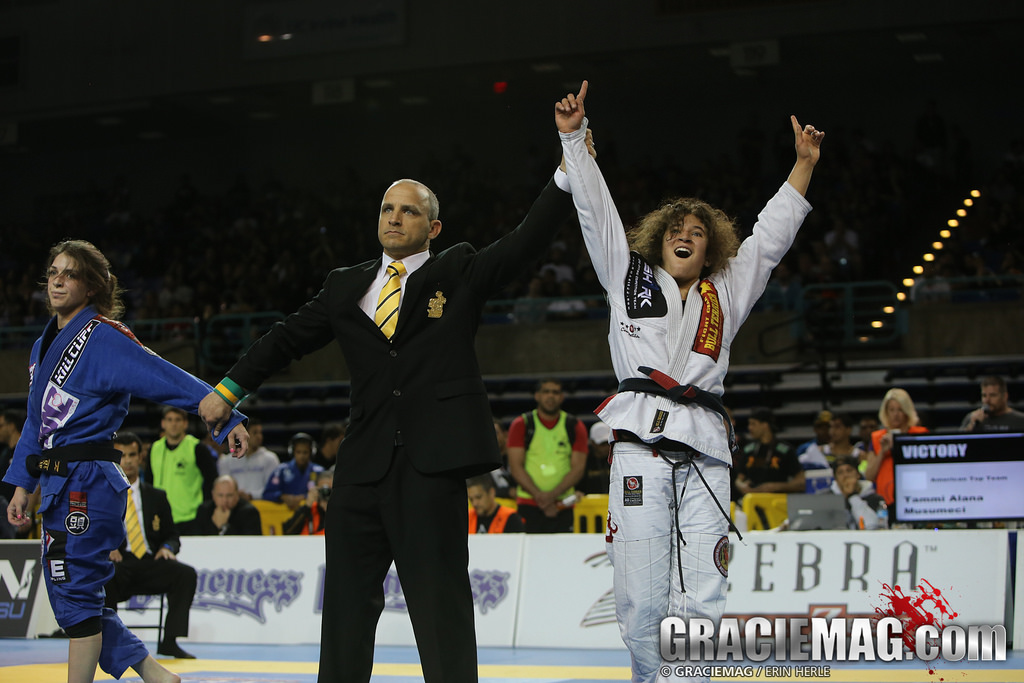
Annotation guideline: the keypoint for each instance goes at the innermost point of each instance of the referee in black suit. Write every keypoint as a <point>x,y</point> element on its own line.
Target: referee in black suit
<point>158,570</point>
<point>420,424</point>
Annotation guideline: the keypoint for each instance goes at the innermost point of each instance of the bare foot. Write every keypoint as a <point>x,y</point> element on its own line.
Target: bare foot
<point>154,672</point>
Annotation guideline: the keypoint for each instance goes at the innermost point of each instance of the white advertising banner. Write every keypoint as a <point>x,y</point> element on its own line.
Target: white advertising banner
<point>828,573</point>
<point>556,590</point>
<point>494,574</point>
<point>256,589</point>
<point>566,595</point>
<point>566,592</point>
<point>270,590</point>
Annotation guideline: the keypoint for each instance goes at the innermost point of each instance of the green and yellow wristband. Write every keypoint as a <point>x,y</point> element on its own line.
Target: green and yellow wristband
<point>230,392</point>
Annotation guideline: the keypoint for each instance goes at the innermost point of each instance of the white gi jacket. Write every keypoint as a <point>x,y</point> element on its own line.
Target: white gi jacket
<point>648,324</point>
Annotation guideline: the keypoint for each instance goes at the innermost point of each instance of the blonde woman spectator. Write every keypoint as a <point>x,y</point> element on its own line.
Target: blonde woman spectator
<point>897,414</point>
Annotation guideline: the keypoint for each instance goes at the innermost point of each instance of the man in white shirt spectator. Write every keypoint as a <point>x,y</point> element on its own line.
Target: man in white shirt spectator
<point>254,469</point>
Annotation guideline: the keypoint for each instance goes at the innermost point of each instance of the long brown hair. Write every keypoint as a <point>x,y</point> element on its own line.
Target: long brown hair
<point>647,236</point>
<point>94,269</point>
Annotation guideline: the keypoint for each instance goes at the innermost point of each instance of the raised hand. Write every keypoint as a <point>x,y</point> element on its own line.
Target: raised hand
<point>808,141</point>
<point>569,112</point>
<point>808,149</point>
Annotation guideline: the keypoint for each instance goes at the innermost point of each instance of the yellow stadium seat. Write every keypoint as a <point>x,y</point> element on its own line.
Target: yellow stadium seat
<point>508,502</point>
<point>772,505</point>
<point>272,516</point>
<point>589,514</point>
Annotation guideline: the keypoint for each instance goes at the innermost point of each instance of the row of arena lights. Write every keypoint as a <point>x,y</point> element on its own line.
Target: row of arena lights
<point>928,257</point>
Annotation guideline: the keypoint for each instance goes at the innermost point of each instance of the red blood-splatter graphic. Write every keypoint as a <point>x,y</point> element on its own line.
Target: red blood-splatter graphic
<point>927,607</point>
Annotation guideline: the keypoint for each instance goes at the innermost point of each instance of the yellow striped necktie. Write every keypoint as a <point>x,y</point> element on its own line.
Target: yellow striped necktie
<point>386,315</point>
<point>131,522</point>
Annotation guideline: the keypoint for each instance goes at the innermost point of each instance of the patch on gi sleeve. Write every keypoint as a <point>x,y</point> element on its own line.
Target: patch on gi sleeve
<point>721,554</point>
<point>632,491</point>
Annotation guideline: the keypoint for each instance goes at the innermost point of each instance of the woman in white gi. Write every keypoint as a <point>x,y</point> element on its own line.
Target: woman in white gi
<point>678,290</point>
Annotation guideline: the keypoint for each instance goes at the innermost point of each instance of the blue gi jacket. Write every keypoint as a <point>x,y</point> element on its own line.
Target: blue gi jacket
<point>80,390</point>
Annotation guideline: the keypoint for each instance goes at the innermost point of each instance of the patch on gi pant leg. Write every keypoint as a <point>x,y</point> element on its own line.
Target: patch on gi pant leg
<point>54,552</point>
<point>77,521</point>
<point>721,554</point>
<point>632,491</point>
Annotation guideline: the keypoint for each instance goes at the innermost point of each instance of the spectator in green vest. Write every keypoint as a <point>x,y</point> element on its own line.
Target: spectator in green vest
<point>547,455</point>
<point>184,468</point>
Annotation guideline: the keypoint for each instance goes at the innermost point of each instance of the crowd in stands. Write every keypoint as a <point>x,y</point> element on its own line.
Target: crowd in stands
<point>174,263</point>
<point>860,465</point>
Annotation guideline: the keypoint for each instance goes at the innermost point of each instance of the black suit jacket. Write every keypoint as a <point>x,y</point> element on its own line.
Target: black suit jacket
<point>423,387</point>
<point>158,522</point>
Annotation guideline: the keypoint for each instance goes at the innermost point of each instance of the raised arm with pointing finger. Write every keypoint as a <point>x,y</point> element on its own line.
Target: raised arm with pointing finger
<point>679,285</point>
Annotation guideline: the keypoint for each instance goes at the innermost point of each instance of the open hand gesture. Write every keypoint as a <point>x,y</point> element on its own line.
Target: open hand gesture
<point>569,112</point>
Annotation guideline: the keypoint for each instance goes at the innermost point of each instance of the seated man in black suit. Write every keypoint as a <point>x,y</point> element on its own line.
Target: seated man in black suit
<point>145,564</point>
<point>227,514</point>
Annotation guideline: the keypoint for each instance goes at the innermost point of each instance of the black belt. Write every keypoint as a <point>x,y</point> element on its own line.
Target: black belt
<point>55,461</point>
<point>661,444</point>
<point>658,383</point>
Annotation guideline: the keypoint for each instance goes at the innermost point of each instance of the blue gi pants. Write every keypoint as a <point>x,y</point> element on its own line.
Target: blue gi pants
<point>82,522</point>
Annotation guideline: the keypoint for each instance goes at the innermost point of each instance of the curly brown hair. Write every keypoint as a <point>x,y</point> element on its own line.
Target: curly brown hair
<point>723,240</point>
<point>95,271</point>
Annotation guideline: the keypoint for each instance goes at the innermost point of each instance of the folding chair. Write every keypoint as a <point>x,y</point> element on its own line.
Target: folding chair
<point>589,514</point>
<point>140,606</point>
<point>272,516</point>
<point>765,510</point>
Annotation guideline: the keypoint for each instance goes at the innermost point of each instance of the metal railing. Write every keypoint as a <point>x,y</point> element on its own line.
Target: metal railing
<point>840,317</point>
<point>830,316</point>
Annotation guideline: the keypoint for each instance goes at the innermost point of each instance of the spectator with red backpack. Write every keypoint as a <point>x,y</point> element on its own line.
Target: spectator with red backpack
<point>547,455</point>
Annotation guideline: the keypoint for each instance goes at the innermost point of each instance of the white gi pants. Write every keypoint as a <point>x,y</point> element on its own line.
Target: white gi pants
<point>642,549</point>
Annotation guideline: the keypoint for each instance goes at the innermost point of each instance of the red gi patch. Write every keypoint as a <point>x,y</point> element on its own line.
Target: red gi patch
<point>612,529</point>
<point>78,500</point>
<point>77,521</point>
<point>709,330</point>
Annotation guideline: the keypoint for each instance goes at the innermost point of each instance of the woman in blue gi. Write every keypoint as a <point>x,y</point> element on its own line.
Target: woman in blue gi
<point>678,286</point>
<point>83,371</point>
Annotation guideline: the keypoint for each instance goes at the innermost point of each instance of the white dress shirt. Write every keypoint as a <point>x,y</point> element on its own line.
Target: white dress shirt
<point>369,301</point>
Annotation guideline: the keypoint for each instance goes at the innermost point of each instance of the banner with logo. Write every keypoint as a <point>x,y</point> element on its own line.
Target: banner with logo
<point>20,586</point>
<point>822,573</point>
<point>566,590</point>
<point>270,590</point>
<point>256,589</point>
<point>566,597</point>
<point>494,575</point>
<point>556,590</point>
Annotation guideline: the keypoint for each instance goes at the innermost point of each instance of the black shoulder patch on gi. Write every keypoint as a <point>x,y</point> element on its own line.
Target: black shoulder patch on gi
<point>644,298</point>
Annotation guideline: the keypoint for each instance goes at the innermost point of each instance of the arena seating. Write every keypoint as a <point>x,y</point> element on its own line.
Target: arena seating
<point>944,390</point>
